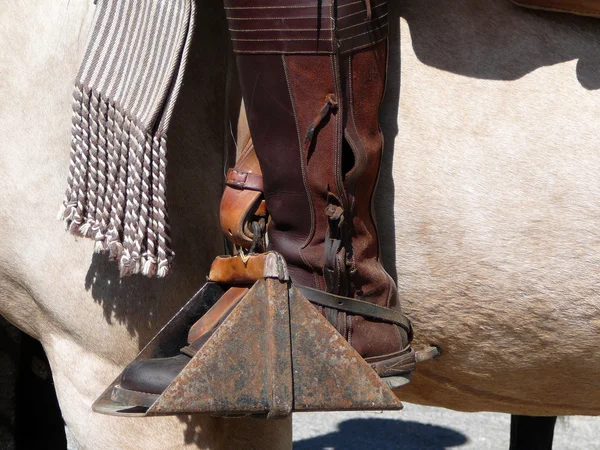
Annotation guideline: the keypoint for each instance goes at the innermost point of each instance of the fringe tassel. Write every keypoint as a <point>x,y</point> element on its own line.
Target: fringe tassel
<point>116,191</point>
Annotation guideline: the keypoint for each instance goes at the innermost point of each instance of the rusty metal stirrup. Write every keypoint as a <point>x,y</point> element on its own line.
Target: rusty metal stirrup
<point>263,360</point>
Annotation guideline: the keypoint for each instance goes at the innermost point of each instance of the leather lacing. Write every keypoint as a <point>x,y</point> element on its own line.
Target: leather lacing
<point>334,279</point>
<point>258,228</point>
<point>259,240</point>
<point>335,269</point>
<point>330,104</point>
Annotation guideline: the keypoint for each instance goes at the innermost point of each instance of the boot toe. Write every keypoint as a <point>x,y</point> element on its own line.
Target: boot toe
<point>152,376</point>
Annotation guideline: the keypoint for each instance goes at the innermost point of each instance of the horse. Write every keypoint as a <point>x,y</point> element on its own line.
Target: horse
<point>487,207</point>
<point>89,321</point>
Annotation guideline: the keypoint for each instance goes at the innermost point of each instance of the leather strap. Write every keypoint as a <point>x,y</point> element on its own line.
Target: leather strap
<point>238,270</point>
<point>261,211</point>
<point>244,180</point>
<point>357,307</point>
<point>242,201</point>
<point>217,313</point>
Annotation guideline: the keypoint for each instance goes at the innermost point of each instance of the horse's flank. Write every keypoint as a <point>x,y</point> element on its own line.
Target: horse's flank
<point>488,208</point>
<point>496,204</point>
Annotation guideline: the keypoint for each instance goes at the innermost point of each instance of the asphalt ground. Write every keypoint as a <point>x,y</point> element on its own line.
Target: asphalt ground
<point>425,428</point>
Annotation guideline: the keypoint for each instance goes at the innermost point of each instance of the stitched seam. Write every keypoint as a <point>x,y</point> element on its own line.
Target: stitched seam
<point>302,166</point>
<point>400,353</point>
<point>282,40</point>
<point>385,80</point>
<point>335,143</point>
<point>332,22</point>
<point>338,131</point>
<point>351,95</point>
<point>287,52</point>
<point>318,52</point>
<point>343,322</point>
<point>350,330</point>
<point>362,12</point>
<point>349,4</point>
<point>361,34</point>
<point>272,7</point>
<point>286,6</point>
<point>372,211</point>
<point>276,18</point>
<point>280,29</point>
<point>368,44</point>
<point>348,138</point>
<point>142,392</point>
<point>363,23</point>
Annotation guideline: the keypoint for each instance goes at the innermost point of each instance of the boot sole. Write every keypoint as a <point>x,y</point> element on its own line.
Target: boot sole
<point>131,398</point>
<point>137,399</point>
<point>397,381</point>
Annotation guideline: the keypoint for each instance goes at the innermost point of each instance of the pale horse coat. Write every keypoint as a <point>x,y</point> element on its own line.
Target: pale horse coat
<point>489,208</point>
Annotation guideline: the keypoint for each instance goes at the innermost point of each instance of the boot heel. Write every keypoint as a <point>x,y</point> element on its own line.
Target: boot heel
<point>397,381</point>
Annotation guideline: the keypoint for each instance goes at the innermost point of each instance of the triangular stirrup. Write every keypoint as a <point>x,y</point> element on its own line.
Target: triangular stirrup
<point>274,354</point>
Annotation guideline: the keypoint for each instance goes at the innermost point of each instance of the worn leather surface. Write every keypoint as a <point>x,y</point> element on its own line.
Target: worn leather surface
<point>305,26</point>
<point>215,315</point>
<point>319,185</point>
<point>242,198</point>
<point>580,7</point>
<point>233,270</point>
<point>238,178</point>
<point>267,101</point>
<point>356,307</point>
<point>364,75</point>
<point>312,75</point>
<point>152,376</point>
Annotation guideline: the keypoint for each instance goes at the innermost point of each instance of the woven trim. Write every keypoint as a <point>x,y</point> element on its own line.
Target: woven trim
<point>127,86</point>
<point>116,190</point>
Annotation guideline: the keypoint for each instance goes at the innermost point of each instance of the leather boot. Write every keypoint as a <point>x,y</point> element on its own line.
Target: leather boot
<point>243,221</point>
<point>313,77</point>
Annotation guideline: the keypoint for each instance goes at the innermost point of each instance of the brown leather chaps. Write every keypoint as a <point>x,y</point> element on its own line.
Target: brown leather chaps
<point>312,74</point>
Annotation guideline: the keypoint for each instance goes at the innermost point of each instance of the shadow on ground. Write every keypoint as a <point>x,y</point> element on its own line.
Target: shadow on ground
<point>384,434</point>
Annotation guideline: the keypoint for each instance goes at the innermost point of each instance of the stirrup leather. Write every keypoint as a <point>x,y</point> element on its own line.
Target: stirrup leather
<point>357,307</point>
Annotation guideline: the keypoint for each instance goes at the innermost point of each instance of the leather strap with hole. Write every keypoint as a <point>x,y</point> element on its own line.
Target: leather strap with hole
<point>357,307</point>
<point>244,180</point>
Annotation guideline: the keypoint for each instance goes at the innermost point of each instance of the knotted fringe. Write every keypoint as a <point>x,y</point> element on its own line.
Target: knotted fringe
<point>123,100</point>
<point>116,186</point>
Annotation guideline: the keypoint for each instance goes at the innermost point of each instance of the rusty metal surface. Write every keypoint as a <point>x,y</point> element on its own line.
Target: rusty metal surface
<point>245,367</point>
<point>328,373</point>
<point>274,354</point>
<point>280,367</point>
